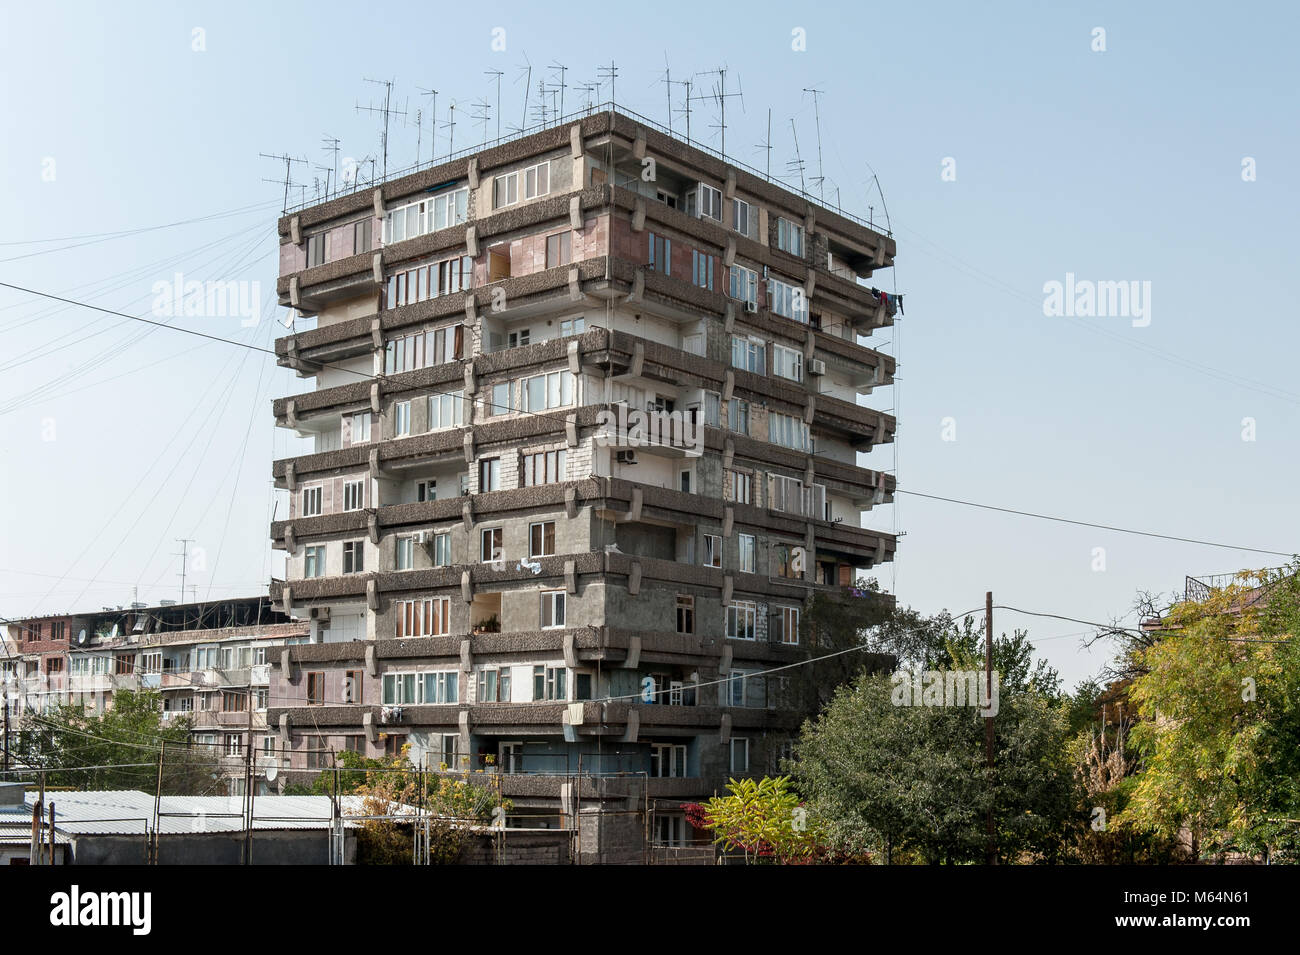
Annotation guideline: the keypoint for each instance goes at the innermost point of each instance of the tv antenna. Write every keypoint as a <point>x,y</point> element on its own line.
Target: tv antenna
<point>330,144</point>
<point>526,74</point>
<point>609,73</point>
<point>820,178</point>
<point>287,181</point>
<point>482,115</point>
<point>766,145</point>
<point>433,125</point>
<point>876,179</point>
<point>795,165</point>
<point>686,108</point>
<point>183,541</point>
<point>589,91</point>
<point>450,126</point>
<point>498,74</point>
<point>388,111</point>
<point>562,69</point>
<point>720,96</point>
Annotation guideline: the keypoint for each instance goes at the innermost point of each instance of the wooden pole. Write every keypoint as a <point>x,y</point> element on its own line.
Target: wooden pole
<point>991,854</point>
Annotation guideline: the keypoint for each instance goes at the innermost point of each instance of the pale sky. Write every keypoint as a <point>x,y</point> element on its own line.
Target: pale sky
<point>1117,164</point>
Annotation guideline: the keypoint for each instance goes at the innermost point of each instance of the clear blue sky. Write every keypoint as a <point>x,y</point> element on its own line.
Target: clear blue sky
<point>1117,165</point>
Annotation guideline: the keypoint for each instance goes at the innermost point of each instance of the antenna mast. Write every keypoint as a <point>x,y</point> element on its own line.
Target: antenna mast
<point>796,164</point>
<point>821,178</point>
<point>287,182</point>
<point>387,110</point>
<point>183,541</point>
<point>498,74</point>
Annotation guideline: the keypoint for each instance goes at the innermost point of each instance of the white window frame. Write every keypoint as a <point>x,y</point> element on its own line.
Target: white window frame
<point>790,626</point>
<point>747,553</point>
<point>787,362</point>
<point>742,619</point>
<point>319,553</point>
<point>789,236</point>
<point>744,752</point>
<point>498,547</point>
<point>354,552</point>
<point>737,207</point>
<point>711,551</point>
<point>442,549</point>
<point>542,553</point>
<point>538,189</point>
<point>312,501</point>
<point>751,352</point>
<point>743,284</point>
<point>361,428</point>
<point>354,495</point>
<point>454,401</point>
<point>554,603</point>
<point>554,386</point>
<point>401,419</point>
<point>404,554</point>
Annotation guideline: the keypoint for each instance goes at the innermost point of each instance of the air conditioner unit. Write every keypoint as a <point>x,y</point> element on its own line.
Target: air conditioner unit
<point>422,537</point>
<point>751,306</point>
<point>816,367</point>
<point>626,457</point>
<point>320,613</point>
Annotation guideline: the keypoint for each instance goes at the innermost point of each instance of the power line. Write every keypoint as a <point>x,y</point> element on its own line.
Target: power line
<point>1105,527</point>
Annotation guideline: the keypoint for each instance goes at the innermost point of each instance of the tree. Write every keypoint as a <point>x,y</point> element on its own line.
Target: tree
<point>80,749</point>
<point>1219,720</point>
<point>911,782</point>
<point>766,820</point>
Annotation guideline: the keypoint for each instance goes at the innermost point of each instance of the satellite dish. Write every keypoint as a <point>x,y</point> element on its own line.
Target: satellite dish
<point>112,635</point>
<point>272,771</point>
<point>81,637</point>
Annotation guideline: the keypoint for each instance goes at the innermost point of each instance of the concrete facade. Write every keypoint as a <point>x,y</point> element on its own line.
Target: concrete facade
<point>470,439</point>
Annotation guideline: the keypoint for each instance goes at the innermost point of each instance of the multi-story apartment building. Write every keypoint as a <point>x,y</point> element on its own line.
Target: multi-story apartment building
<point>210,662</point>
<point>497,563</point>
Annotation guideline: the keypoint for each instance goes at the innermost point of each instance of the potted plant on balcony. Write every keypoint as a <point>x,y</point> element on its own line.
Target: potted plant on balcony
<point>490,625</point>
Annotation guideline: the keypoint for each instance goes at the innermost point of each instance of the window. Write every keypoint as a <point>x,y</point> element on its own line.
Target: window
<point>685,613</point>
<point>661,254</point>
<point>789,237</point>
<point>316,250</point>
<point>792,495</point>
<point>311,501</point>
<point>584,683</point>
<point>667,760</point>
<point>450,748</point>
<point>518,339</point>
<point>548,683</point>
<point>490,545</point>
<point>553,390</point>
<point>704,201</point>
<point>741,213</point>
<point>788,300</point>
<point>260,698</point>
<point>742,487</point>
<point>427,215</point>
<point>489,475</point>
<point>439,688</point>
<point>500,401</point>
<point>787,362</point>
<point>317,752</point>
<point>354,557</point>
<point>702,269</point>
<point>426,490</point>
<point>788,431</point>
<point>401,419</point>
<point>268,746</point>
<point>790,625</point>
<point>738,415</point>
<point>446,411</point>
<point>739,754</point>
<point>712,550</point>
<point>749,354</point>
<point>405,553</point>
<point>430,616</point>
<point>541,539</point>
<point>361,428</point>
<point>558,249</point>
<point>354,495</point>
<point>787,560</point>
<point>505,190</point>
<point>316,688</point>
<point>234,744</point>
<point>712,409</point>
<point>741,619</point>
<point>743,284</point>
<point>494,685</point>
<point>537,180</point>
<point>313,561</point>
<point>667,198</point>
<point>442,550</point>
<point>747,552</point>
<point>423,349</point>
<point>553,608</point>
<point>353,691</point>
<point>543,467</point>
<point>233,702</point>
<point>361,236</point>
<point>670,830</point>
<point>572,326</point>
<point>400,689</point>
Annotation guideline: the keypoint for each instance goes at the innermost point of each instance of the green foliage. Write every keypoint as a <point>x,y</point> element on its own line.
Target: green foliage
<point>766,820</point>
<point>130,731</point>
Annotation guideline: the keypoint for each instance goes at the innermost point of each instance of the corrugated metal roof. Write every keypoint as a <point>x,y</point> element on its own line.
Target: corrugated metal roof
<point>130,812</point>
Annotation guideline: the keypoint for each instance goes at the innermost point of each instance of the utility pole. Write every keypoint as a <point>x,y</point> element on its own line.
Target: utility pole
<point>248,778</point>
<point>157,803</point>
<point>6,706</point>
<point>184,542</point>
<point>34,857</point>
<point>991,854</point>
